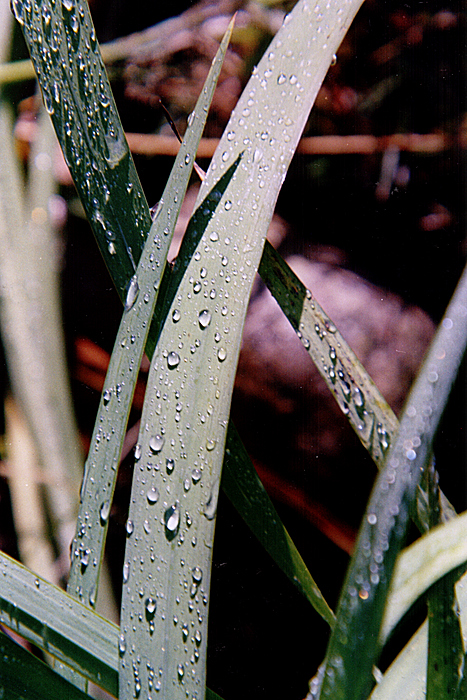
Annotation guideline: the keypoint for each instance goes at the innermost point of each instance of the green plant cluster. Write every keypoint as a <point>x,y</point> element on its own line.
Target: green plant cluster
<point>188,319</point>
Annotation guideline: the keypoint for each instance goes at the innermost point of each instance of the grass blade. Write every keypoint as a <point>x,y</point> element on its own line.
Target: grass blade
<point>421,565</point>
<point>58,624</point>
<point>407,675</point>
<point>358,397</point>
<point>25,676</point>
<point>445,648</point>
<point>245,490</point>
<point>166,591</point>
<point>31,327</point>
<point>78,97</point>
<point>115,404</point>
<point>364,594</point>
<point>356,394</point>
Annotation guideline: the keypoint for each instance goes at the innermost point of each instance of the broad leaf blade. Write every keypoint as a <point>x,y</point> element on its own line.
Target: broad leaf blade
<point>184,422</point>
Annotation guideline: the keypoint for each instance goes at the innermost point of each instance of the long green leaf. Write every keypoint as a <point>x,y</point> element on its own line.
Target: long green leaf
<point>78,97</point>
<point>445,668</point>
<point>24,677</point>
<point>407,675</point>
<point>104,455</point>
<point>368,413</point>
<point>243,487</point>
<point>58,624</point>
<point>362,602</point>
<point>185,417</point>
<point>420,565</point>
<point>356,394</point>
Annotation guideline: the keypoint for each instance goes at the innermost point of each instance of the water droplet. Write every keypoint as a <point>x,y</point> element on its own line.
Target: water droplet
<point>176,316</point>
<point>147,527</point>
<point>172,521</point>
<point>228,205</point>
<point>129,527</point>
<point>221,354</point>
<point>334,60</point>
<point>156,443</point>
<point>195,475</point>
<point>210,445</point>
<point>214,236</point>
<point>92,596</point>
<point>84,559</point>
<point>151,607</point>
<point>104,512</point>
<point>180,671</point>
<point>197,575</point>
<point>230,135</point>
<point>411,455</point>
<point>372,518</point>
<point>173,360</point>
<point>137,451</point>
<point>197,287</point>
<point>281,79</point>
<point>152,495</point>
<point>121,644</point>
<point>126,572</point>
<point>132,293</point>
<point>359,401</point>
<point>204,318</point>
<point>106,396</point>
<point>169,465</point>
<point>210,508</point>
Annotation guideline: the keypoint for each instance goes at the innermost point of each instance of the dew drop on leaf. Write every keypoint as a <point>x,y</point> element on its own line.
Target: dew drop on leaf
<point>152,495</point>
<point>126,572</point>
<point>210,508</point>
<point>132,293</point>
<point>204,318</point>
<point>171,521</point>
<point>151,607</point>
<point>104,511</point>
<point>156,443</point>
<point>173,360</point>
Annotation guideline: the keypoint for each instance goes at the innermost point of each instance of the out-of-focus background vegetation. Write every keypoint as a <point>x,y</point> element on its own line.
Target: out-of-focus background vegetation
<point>372,216</point>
